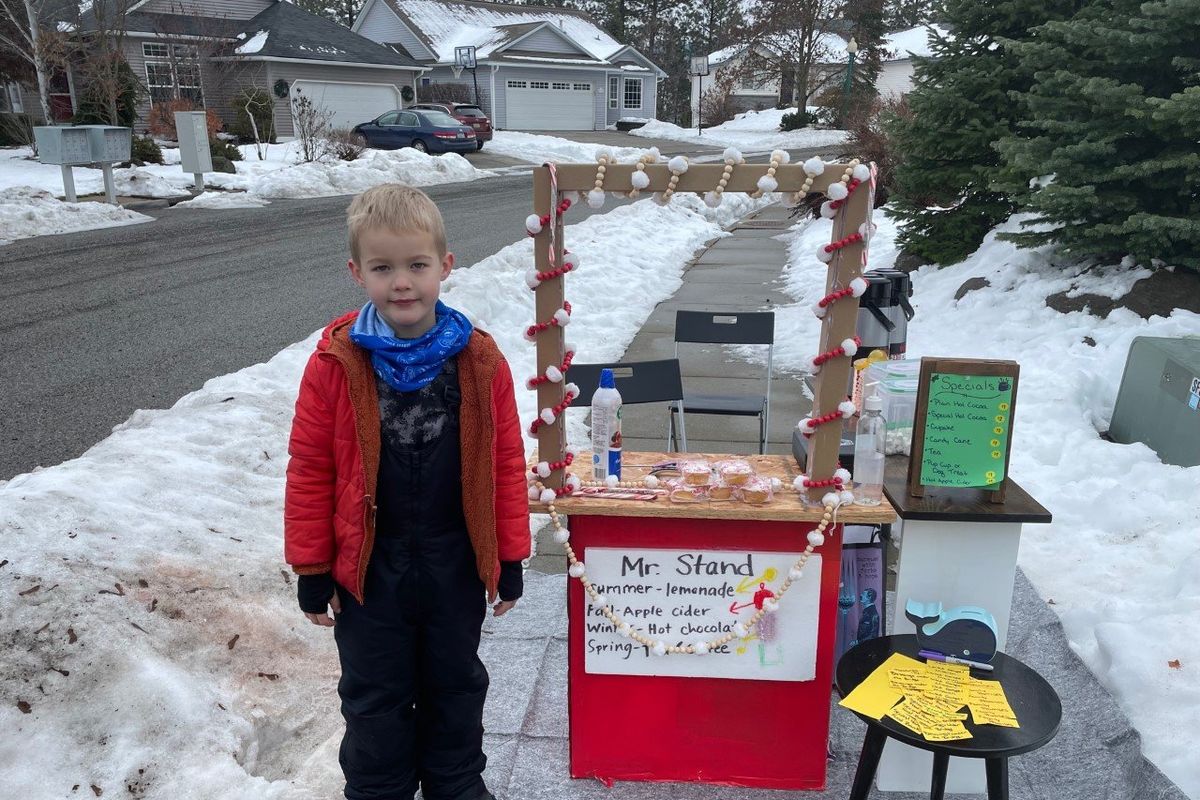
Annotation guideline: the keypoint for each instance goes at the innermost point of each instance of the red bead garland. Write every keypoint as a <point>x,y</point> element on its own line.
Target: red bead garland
<point>544,219</point>
<point>538,380</point>
<point>850,187</point>
<point>846,242</point>
<point>834,353</point>
<point>538,327</point>
<point>834,297</point>
<point>554,273</point>
<point>538,422</point>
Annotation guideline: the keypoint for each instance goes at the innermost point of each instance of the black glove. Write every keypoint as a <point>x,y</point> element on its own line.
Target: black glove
<point>315,592</point>
<point>512,580</point>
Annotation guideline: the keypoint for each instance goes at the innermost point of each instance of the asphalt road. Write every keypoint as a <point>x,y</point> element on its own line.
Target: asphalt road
<point>101,323</point>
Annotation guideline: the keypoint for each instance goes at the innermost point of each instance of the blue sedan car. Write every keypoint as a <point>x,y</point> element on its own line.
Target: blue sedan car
<point>427,131</point>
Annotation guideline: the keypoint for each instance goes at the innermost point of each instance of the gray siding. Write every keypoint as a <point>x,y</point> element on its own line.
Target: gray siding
<point>381,25</point>
<point>649,107</point>
<point>230,9</point>
<point>547,41</point>
<point>506,73</point>
<point>444,75</point>
<point>320,72</point>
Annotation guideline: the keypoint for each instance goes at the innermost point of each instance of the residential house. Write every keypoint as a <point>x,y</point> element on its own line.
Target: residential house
<point>536,68</point>
<point>205,51</point>
<point>752,92</point>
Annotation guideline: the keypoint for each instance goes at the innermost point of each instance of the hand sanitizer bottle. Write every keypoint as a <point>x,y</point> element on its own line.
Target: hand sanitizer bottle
<point>606,428</point>
<point>869,442</point>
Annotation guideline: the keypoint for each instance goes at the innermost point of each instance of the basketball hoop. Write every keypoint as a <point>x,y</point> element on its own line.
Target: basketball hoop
<point>699,65</point>
<point>464,57</point>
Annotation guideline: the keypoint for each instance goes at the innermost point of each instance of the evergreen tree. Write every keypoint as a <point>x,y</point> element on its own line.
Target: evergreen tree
<point>1113,117</point>
<point>962,105</point>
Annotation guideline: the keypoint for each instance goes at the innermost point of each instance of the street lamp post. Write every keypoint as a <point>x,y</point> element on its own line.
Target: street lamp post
<point>851,48</point>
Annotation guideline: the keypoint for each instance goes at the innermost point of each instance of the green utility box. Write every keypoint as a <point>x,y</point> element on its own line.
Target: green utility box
<point>1159,400</point>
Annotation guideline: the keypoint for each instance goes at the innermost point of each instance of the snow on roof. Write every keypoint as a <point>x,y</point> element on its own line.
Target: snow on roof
<point>553,60</point>
<point>724,54</point>
<point>912,42</point>
<point>254,44</point>
<point>449,24</point>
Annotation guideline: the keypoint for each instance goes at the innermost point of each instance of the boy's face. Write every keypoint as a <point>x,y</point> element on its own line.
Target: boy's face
<point>402,273</point>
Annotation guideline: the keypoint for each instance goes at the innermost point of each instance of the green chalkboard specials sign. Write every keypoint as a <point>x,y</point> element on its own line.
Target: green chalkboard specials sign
<point>962,432</point>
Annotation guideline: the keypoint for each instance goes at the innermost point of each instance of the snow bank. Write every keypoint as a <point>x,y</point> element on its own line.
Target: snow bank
<point>1121,558</point>
<point>25,212</point>
<point>224,200</point>
<point>154,637</point>
<point>751,131</point>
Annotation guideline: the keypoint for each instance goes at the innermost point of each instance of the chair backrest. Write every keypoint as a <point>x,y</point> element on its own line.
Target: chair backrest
<point>637,381</point>
<point>725,327</point>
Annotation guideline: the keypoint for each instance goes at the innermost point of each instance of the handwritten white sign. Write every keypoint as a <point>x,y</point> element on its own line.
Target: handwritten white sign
<point>684,596</point>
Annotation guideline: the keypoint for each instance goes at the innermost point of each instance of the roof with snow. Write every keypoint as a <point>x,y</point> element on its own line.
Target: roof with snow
<point>443,25</point>
<point>912,42</point>
<point>288,31</point>
<point>831,47</point>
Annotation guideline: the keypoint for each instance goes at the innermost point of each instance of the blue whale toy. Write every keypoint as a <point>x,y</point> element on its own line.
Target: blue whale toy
<point>965,632</point>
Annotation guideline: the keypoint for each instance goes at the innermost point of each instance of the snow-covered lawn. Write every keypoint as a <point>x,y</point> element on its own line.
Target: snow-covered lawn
<point>153,636</point>
<point>752,131</point>
<point>1121,559</point>
<point>536,148</point>
<point>26,212</point>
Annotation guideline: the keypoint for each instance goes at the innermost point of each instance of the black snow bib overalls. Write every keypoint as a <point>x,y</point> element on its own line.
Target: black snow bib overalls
<point>413,686</point>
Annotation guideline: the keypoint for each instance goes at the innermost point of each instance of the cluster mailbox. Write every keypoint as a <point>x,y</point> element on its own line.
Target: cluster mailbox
<point>83,144</point>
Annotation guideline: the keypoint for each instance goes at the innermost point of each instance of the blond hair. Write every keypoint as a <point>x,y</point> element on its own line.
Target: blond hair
<point>398,208</point>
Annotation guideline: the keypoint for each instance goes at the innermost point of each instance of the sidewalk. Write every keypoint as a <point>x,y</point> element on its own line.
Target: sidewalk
<point>1096,754</point>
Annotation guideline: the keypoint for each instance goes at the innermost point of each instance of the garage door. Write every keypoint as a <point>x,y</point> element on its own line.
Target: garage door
<point>550,106</point>
<point>350,103</point>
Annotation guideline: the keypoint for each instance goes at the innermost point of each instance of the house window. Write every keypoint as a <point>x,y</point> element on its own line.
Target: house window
<point>426,81</point>
<point>633,93</point>
<point>517,85</point>
<point>561,86</point>
<point>613,91</point>
<point>583,87</point>
<point>173,72</point>
<point>539,84</point>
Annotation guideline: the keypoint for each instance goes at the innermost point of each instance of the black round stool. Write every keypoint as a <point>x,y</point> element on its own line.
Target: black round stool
<point>1034,701</point>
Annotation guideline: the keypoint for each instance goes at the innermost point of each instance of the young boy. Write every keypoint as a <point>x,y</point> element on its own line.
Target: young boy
<point>406,507</point>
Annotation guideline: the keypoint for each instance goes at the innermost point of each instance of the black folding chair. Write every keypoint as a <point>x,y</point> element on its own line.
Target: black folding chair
<point>728,327</point>
<point>638,382</point>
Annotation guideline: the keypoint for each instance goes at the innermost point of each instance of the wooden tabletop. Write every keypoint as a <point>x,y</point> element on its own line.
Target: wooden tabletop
<point>946,504</point>
<point>785,507</point>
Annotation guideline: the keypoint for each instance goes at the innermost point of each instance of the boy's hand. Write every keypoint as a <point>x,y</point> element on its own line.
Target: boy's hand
<point>325,619</point>
<point>503,607</point>
<point>316,594</point>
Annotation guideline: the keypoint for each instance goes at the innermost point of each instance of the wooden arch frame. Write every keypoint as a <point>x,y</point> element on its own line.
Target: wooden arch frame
<point>838,324</point>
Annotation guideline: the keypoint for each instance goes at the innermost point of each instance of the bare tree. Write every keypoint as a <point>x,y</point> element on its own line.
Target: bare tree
<point>30,32</point>
<point>312,125</point>
<point>785,44</point>
<point>109,85</point>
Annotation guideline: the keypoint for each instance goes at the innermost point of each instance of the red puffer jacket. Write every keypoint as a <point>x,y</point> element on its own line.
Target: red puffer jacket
<point>329,504</point>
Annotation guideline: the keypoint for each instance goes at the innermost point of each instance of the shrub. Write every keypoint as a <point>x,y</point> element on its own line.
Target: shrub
<point>93,103</point>
<point>796,120</point>
<point>144,150</point>
<point>870,141</point>
<point>312,126</point>
<point>162,118</point>
<point>717,105</point>
<point>449,92</point>
<point>262,107</point>
<point>16,130</point>
<point>344,144</point>
<point>219,148</point>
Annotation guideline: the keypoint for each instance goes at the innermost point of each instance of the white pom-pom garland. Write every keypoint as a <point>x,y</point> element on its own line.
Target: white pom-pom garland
<point>533,224</point>
<point>798,482</point>
<point>659,649</point>
<point>806,425</point>
<point>846,409</point>
<point>653,155</point>
<point>542,469</point>
<point>701,647</point>
<point>732,155</point>
<point>606,153</point>
<point>776,484</point>
<point>530,336</point>
<point>574,483</point>
<point>814,166</point>
<point>577,570</point>
<point>553,374</point>
<point>660,198</point>
<point>600,601</point>
<point>624,629</point>
<point>531,278</point>
<point>771,605</point>
<point>782,156</point>
<point>547,416</point>
<point>547,496</point>
<point>767,184</point>
<point>571,259</point>
<point>562,536</point>
<point>571,388</point>
<point>815,538</point>
<point>534,492</point>
<point>830,499</point>
<point>823,255</point>
<point>847,497</point>
<point>842,474</point>
<point>678,165</point>
<point>819,310</point>
<point>574,196</point>
<point>827,210</point>
<point>849,346</point>
<point>562,318</point>
<point>858,287</point>
<point>837,191</point>
<point>712,199</point>
<point>795,574</point>
<point>740,630</point>
<point>862,172</point>
<point>640,180</point>
<point>612,481</point>
<point>650,481</point>
<point>595,198</point>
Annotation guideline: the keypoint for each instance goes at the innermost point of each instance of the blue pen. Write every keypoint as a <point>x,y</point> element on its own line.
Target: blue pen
<point>932,656</point>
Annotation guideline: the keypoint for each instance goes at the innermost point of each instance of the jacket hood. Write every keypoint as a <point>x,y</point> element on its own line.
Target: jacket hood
<point>340,325</point>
